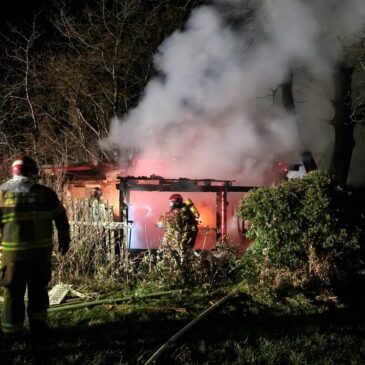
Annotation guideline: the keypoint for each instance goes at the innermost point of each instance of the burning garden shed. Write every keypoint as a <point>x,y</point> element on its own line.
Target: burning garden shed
<point>143,199</point>
<point>128,207</point>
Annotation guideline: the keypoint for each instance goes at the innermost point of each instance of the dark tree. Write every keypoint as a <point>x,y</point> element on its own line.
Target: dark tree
<point>342,123</point>
<point>289,104</point>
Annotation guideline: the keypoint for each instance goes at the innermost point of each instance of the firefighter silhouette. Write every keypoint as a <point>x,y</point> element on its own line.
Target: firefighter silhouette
<point>99,213</point>
<point>27,213</point>
<point>180,224</point>
<point>97,207</point>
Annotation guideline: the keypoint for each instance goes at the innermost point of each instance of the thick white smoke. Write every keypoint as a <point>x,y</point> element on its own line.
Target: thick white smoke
<point>211,110</point>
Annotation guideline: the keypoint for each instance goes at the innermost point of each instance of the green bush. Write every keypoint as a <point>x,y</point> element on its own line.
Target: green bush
<point>306,235</point>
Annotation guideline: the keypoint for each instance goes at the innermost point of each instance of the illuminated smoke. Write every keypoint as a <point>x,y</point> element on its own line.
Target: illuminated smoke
<point>210,112</point>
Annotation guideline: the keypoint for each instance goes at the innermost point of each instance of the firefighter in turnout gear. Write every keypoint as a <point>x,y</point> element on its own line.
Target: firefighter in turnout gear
<point>181,229</point>
<point>180,223</point>
<point>27,213</point>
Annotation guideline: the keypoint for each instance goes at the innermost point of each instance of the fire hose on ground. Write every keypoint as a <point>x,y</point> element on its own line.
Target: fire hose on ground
<point>202,315</point>
<point>172,339</point>
<point>94,303</point>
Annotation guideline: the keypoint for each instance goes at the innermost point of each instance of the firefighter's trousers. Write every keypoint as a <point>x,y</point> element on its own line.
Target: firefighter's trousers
<point>16,277</point>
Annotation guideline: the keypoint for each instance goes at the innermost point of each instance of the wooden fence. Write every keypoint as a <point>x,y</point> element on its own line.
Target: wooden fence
<point>93,220</point>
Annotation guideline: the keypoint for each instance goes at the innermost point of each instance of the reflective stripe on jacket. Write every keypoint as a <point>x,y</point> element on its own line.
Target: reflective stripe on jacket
<point>27,210</point>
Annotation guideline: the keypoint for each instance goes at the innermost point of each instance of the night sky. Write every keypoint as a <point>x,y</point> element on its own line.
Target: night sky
<point>18,11</point>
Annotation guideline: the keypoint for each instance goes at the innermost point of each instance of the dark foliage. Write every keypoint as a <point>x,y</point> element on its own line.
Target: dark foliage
<point>308,236</point>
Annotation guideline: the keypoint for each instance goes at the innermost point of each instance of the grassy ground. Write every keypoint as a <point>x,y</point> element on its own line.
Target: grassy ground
<point>243,331</point>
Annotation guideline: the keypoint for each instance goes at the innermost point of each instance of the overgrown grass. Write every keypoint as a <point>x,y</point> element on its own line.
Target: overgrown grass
<point>255,326</point>
<point>94,264</point>
<point>247,330</point>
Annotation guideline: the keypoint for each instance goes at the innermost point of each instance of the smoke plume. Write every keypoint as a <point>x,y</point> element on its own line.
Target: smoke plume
<point>214,109</point>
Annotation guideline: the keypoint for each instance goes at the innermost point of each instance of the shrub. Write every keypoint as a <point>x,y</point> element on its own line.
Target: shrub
<point>306,235</point>
<point>91,261</point>
<point>187,268</point>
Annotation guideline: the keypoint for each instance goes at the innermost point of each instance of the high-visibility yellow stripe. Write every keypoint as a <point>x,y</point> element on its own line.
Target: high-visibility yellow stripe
<point>11,328</point>
<point>16,216</point>
<point>26,245</point>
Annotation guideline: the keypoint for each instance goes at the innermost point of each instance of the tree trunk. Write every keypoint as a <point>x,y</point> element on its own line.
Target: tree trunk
<point>343,124</point>
<point>288,102</point>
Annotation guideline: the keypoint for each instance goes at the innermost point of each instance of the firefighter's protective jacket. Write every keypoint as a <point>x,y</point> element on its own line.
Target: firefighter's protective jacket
<point>27,210</point>
<point>181,227</point>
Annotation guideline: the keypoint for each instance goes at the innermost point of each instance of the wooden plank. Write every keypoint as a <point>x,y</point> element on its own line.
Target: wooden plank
<point>58,293</point>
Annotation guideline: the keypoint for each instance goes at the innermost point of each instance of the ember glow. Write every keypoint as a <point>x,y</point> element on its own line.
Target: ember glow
<point>146,208</point>
<point>147,198</point>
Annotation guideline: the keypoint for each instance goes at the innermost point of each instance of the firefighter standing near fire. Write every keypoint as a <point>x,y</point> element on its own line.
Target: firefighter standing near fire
<point>27,210</point>
<point>96,206</point>
<point>180,224</point>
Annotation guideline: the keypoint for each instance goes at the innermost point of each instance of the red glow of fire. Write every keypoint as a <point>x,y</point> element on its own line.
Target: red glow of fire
<point>282,166</point>
<point>146,208</point>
